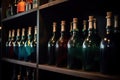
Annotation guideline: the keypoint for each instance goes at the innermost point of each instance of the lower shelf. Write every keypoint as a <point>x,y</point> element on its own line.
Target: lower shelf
<point>62,70</point>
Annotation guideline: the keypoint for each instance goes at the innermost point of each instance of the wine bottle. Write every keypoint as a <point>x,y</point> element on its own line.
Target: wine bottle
<point>21,46</point>
<point>108,58</point>
<point>21,6</point>
<point>51,46</point>
<point>9,10</point>
<point>21,73</point>
<point>28,45</point>
<point>16,44</point>
<point>90,49</point>
<point>29,74</point>
<point>7,44</point>
<point>35,4</point>
<point>116,38</point>
<point>32,56</point>
<point>15,72</point>
<point>74,45</point>
<point>14,7</point>
<point>61,47</point>
<point>29,4</point>
<point>11,43</point>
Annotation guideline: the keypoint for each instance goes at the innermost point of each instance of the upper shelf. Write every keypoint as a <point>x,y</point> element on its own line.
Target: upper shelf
<point>19,15</point>
<point>52,3</point>
<point>76,73</point>
<point>49,4</point>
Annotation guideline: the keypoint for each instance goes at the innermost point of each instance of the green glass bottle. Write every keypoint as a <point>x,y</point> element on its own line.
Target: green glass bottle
<point>21,46</point>
<point>9,10</point>
<point>51,46</point>
<point>32,56</point>
<point>7,44</point>
<point>28,45</point>
<point>16,44</point>
<point>74,46</point>
<point>90,49</point>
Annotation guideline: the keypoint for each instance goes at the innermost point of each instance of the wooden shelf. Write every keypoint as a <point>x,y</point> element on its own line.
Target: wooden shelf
<point>62,70</point>
<point>52,3</point>
<point>29,64</point>
<point>79,73</point>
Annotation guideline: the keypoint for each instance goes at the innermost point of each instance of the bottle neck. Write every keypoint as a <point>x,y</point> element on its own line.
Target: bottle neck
<point>17,38</point>
<point>108,26</point>
<point>23,34</point>
<point>35,37</point>
<point>29,33</point>
<point>116,26</point>
<point>9,38</point>
<point>54,29</point>
<point>75,28</point>
<point>90,32</point>
<point>35,33</point>
<point>62,28</point>
<point>90,29</point>
<point>13,35</point>
<point>23,37</point>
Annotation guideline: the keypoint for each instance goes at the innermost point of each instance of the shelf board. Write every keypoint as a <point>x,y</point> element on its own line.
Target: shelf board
<point>24,63</point>
<point>63,70</point>
<point>78,73</point>
<point>52,3</point>
<point>19,14</point>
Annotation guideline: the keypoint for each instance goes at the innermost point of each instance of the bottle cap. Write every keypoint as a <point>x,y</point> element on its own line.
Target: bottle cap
<point>109,14</point>
<point>62,22</point>
<point>18,32</point>
<point>90,18</point>
<point>62,25</point>
<point>54,26</point>
<point>75,19</point>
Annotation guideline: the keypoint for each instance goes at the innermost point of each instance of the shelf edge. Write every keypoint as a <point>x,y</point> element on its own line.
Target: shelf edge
<point>24,63</point>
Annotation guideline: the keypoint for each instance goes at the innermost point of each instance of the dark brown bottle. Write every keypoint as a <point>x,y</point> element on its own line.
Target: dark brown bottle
<point>61,47</point>
<point>51,46</point>
<point>11,44</point>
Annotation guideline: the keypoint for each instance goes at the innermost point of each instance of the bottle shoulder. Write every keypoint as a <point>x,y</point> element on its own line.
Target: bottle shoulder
<point>107,42</point>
